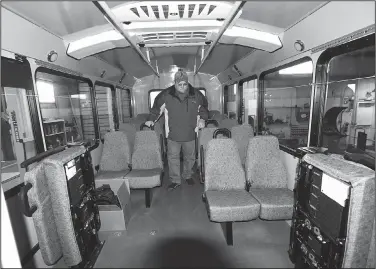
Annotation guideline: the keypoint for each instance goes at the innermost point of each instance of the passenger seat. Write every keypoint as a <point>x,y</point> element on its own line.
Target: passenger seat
<point>267,178</point>
<point>116,156</point>
<point>241,134</point>
<point>147,166</point>
<point>226,196</point>
<point>228,123</point>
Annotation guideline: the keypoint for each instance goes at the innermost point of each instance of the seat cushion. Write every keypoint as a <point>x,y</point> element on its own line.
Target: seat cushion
<point>111,174</point>
<point>276,204</point>
<point>231,205</point>
<point>144,178</point>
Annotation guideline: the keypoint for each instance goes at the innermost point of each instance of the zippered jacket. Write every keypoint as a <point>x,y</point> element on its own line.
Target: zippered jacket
<point>180,115</point>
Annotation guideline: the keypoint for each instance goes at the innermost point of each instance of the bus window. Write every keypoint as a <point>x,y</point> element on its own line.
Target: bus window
<point>231,101</point>
<point>286,103</point>
<point>349,112</point>
<point>124,105</point>
<point>249,89</point>
<point>152,95</point>
<point>20,131</point>
<point>66,109</point>
<point>106,107</point>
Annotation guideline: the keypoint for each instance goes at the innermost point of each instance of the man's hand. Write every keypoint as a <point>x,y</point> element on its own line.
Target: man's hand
<point>201,123</point>
<point>149,123</point>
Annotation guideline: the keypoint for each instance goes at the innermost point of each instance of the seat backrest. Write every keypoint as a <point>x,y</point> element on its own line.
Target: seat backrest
<point>147,151</point>
<point>142,116</point>
<point>241,134</point>
<point>218,117</point>
<point>44,220</point>
<point>223,169</point>
<point>204,136</point>
<point>116,154</point>
<point>130,130</point>
<point>228,123</point>
<point>212,113</point>
<point>263,165</point>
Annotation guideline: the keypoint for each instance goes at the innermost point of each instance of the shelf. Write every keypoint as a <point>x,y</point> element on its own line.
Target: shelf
<point>53,121</point>
<point>55,134</point>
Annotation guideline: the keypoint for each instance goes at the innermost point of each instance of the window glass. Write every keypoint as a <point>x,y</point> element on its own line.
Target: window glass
<point>231,101</point>
<point>20,133</point>
<point>250,102</point>
<point>152,95</point>
<point>350,102</point>
<point>106,103</point>
<point>124,105</point>
<point>66,110</point>
<point>287,99</point>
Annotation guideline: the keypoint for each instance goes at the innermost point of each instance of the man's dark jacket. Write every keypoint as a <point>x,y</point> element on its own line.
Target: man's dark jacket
<point>182,114</point>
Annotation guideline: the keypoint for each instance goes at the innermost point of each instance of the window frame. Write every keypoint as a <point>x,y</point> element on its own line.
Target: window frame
<point>119,110</point>
<point>32,103</point>
<point>322,76</point>
<point>261,92</point>
<point>92,93</point>
<point>114,103</point>
<point>241,93</point>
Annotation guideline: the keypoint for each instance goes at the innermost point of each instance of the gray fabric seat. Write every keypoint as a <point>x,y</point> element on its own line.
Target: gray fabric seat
<point>142,116</point>
<point>227,123</point>
<point>130,130</point>
<point>227,199</point>
<point>115,161</point>
<point>241,134</point>
<point>147,166</point>
<point>267,178</point>
<point>231,205</point>
<point>142,179</point>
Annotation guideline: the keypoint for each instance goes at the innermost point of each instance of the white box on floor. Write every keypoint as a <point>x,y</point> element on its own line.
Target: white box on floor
<point>115,219</point>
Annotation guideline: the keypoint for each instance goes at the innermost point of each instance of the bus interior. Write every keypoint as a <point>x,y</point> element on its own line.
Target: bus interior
<point>282,79</point>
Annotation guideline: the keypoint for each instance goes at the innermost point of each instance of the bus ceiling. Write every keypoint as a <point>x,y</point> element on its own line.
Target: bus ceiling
<point>187,34</point>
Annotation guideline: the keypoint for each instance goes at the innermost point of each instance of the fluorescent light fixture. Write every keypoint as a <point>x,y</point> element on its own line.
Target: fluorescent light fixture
<point>299,69</point>
<point>237,31</point>
<point>178,44</point>
<point>45,92</point>
<point>172,24</point>
<point>81,96</point>
<point>88,41</point>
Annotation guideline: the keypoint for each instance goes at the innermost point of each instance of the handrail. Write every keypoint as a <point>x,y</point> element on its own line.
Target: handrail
<point>111,18</point>
<point>235,10</point>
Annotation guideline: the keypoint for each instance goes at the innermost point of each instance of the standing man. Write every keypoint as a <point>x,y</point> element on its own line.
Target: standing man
<point>182,105</point>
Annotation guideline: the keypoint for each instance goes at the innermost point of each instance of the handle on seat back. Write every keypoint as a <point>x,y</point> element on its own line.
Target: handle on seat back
<point>211,122</point>
<point>26,209</point>
<point>223,131</point>
<point>41,156</point>
<point>202,164</point>
<point>144,125</point>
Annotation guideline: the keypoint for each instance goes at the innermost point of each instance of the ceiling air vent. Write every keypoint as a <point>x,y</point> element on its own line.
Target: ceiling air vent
<point>156,11</point>
<point>201,8</point>
<point>211,8</point>
<point>199,35</point>
<point>165,10</point>
<point>183,35</point>
<point>181,10</point>
<point>145,9</point>
<point>191,8</point>
<point>134,10</point>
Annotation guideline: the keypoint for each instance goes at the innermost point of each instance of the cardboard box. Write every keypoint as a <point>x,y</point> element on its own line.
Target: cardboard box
<point>114,220</point>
